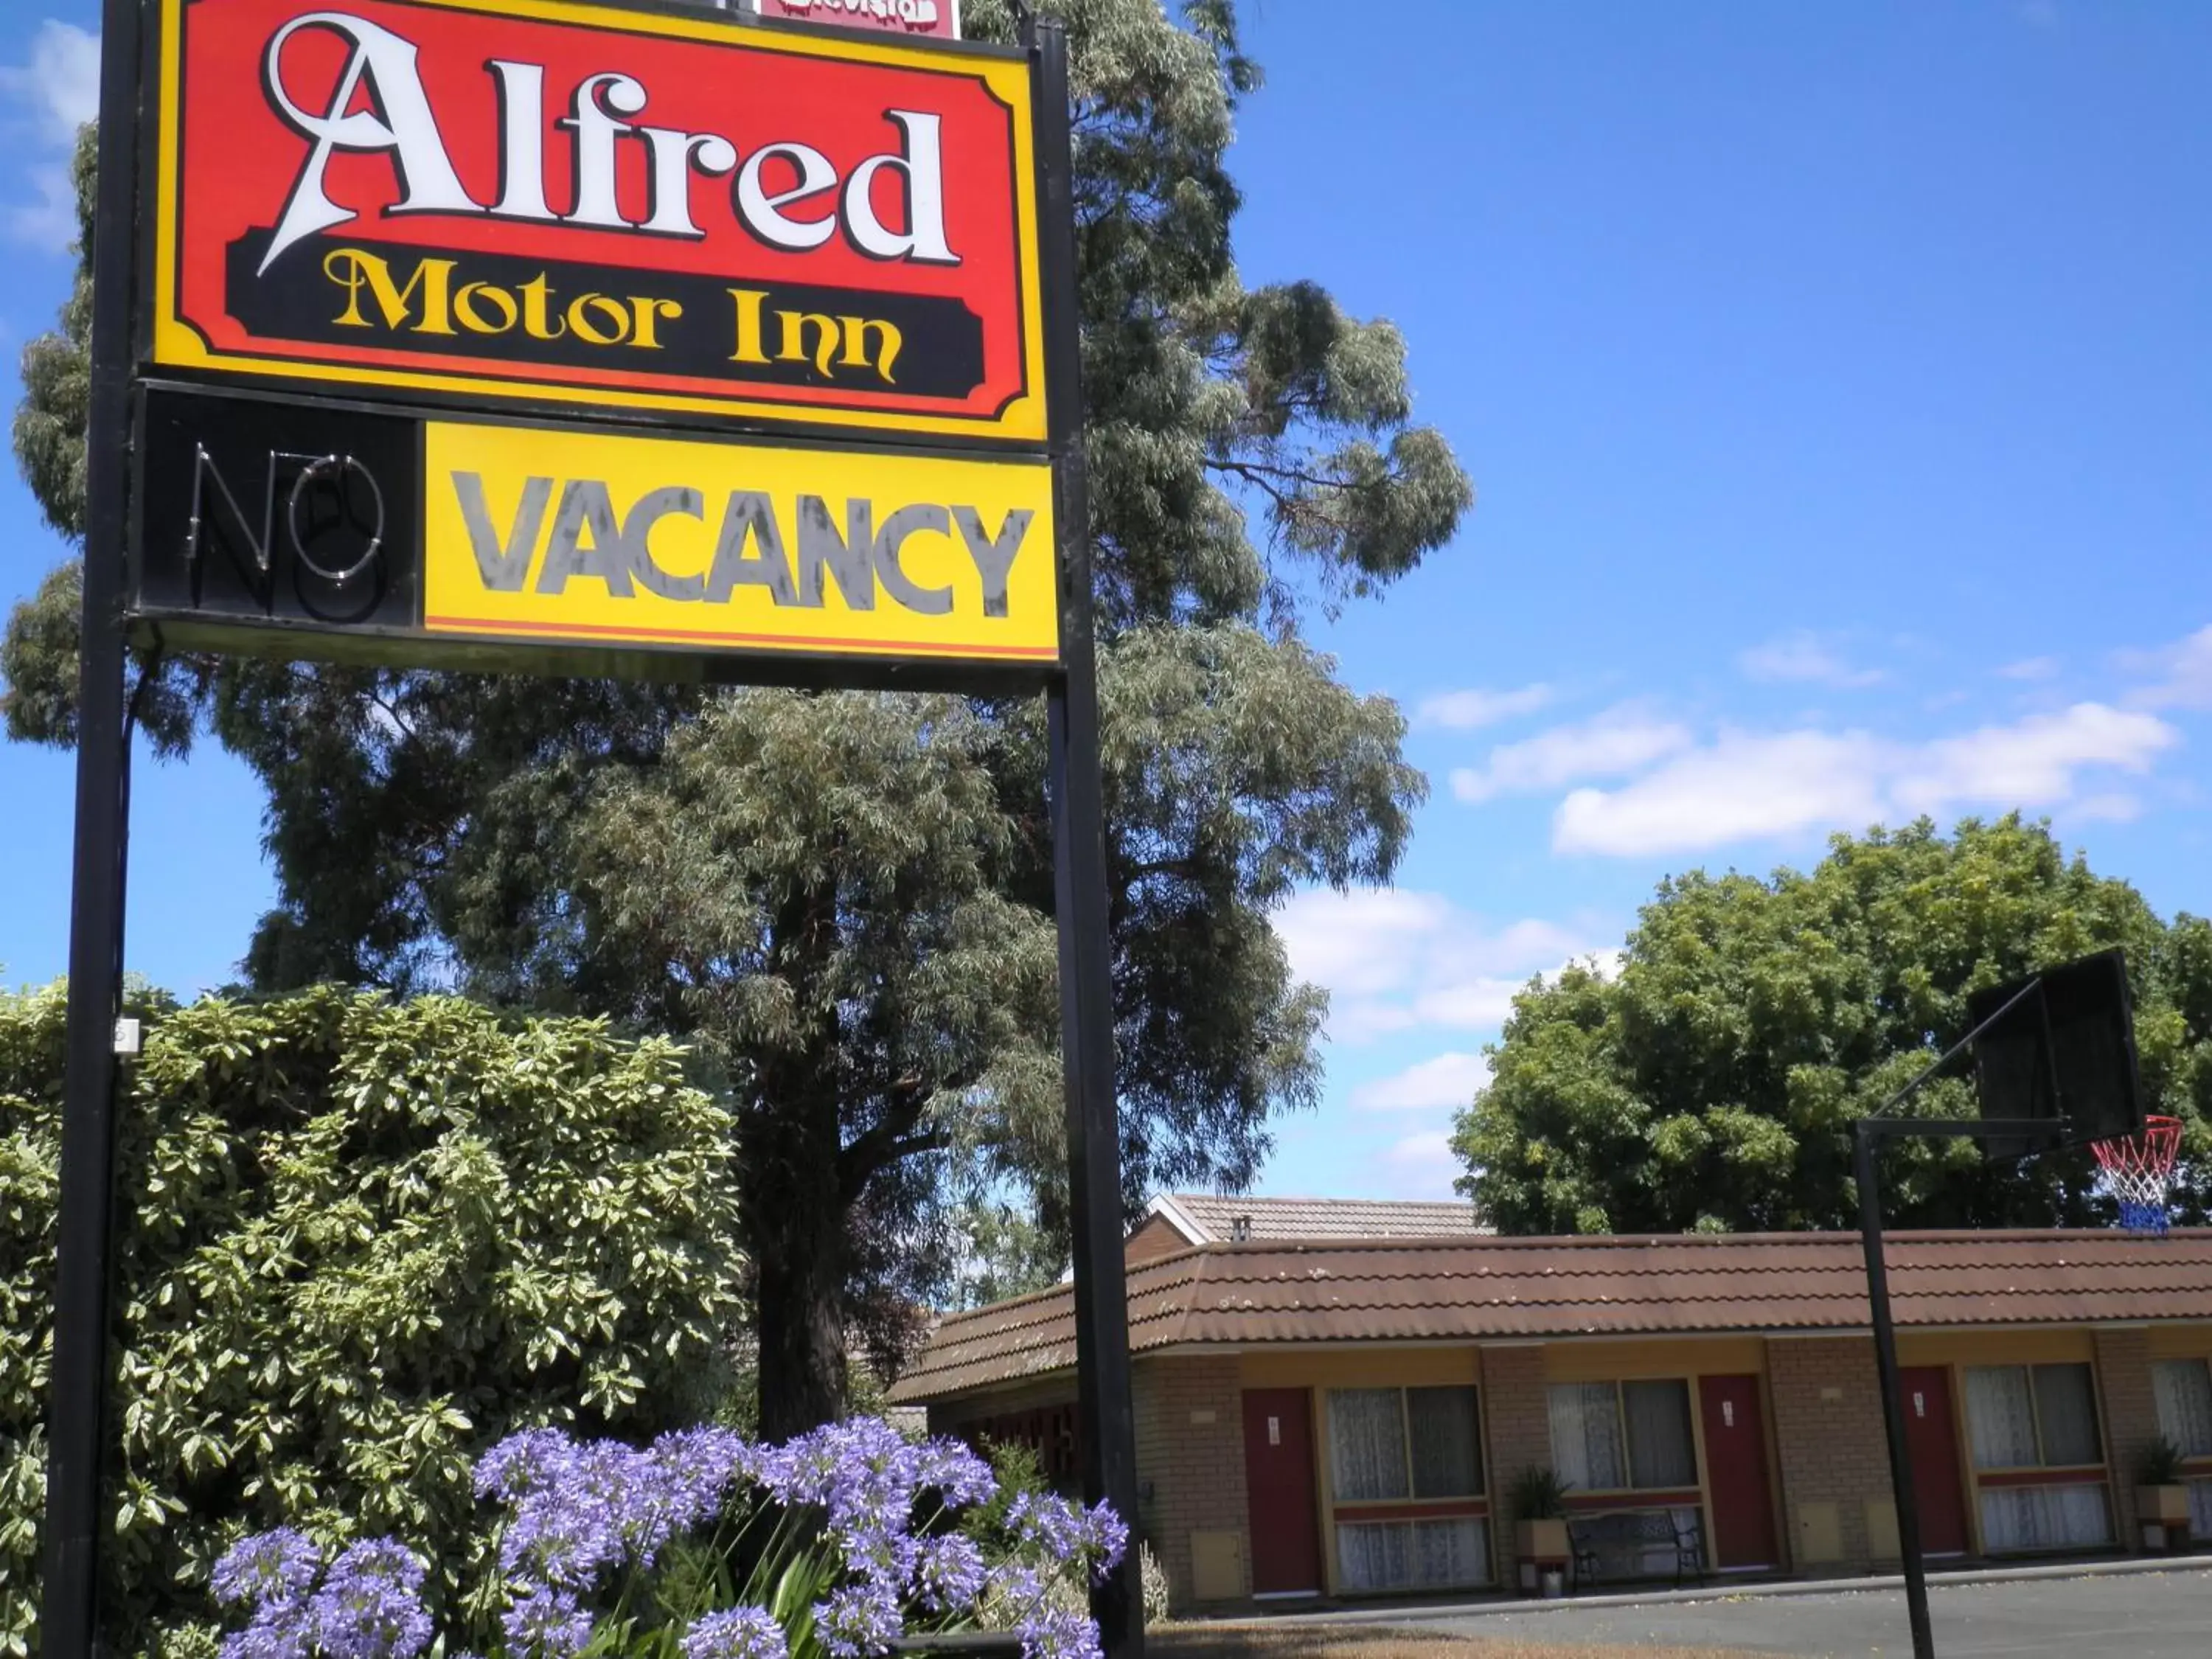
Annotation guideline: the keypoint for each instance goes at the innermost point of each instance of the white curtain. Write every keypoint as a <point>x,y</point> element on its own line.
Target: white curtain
<point>1397,1555</point>
<point>2200,1508</point>
<point>1662,1448</point>
<point>1447,1554</point>
<point>2184,1388</point>
<point>2066,1407</point>
<point>1371,1556</point>
<point>2044,1518</point>
<point>1367,1445</point>
<point>1446,1454</point>
<point>1586,1445</point>
<point>2000,1411</point>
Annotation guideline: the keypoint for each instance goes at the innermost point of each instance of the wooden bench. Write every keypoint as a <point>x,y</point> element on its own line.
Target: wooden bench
<point>1627,1539</point>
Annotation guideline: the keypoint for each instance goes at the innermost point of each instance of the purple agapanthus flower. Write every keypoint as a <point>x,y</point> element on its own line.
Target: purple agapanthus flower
<point>1059,1633</point>
<point>948,1574</point>
<point>278,1630</point>
<point>523,1464</point>
<point>1022,1586</point>
<point>953,1470</point>
<point>859,1619</point>
<point>544,1623</point>
<point>678,1484</point>
<point>736,1633</point>
<point>885,1558</point>
<point>270,1567</point>
<point>1053,1524</point>
<point>370,1605</point>
<point>582,1521</point>
<point>1105,1539</point>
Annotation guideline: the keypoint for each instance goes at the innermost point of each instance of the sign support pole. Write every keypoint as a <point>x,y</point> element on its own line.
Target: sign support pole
<point>77,1425</point>
<point>1078,835</point>
<point>1864,1134</point>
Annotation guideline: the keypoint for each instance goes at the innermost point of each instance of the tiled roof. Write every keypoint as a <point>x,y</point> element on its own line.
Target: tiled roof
<point>1213,1220</point>
<point>1399,1290</point>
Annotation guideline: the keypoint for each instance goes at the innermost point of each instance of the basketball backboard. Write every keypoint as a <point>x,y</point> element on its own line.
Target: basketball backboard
<point>2064,1053</point>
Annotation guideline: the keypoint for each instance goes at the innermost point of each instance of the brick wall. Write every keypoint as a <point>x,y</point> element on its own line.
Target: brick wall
<point>1828,1428</point>
<point>1190,1461</point>
<point>1517,1414</point>
<point>2130,1419</point>
<point>1158,1236</point>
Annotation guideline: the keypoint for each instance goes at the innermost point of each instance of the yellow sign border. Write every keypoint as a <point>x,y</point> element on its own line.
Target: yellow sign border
<point>176,344</point>
<point>459,599</point>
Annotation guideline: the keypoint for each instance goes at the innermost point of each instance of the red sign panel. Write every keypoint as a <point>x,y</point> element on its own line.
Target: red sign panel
<point>527,199</point>
<point>937,19</point>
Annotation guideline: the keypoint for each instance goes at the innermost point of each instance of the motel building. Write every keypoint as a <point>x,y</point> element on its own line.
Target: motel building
<point>1335,1400</point>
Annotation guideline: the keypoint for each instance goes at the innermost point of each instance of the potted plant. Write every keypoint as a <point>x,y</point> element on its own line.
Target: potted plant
<point>1540,1529</point>
<point>2161,1498</point>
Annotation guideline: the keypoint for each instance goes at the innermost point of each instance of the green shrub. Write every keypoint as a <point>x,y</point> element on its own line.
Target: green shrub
<point>359,1240</point>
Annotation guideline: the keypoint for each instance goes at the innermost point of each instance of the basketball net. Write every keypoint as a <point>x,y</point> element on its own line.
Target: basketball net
<point>2135,1169</point>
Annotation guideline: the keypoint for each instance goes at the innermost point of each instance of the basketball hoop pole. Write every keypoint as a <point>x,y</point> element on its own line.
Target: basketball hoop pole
<point>1865,1132</point>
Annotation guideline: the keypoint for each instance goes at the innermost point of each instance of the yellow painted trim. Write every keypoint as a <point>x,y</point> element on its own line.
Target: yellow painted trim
<point>176,344</point>
<point>2006,1347</point>
<point>1628,1360</point>
<point>2181,1342</point>
<point>1394,1368</point>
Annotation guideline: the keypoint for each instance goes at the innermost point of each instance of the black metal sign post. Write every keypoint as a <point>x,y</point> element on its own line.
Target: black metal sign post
<point>1865,1132</point>
<point>78,1426</point>
<point>1078,826</point>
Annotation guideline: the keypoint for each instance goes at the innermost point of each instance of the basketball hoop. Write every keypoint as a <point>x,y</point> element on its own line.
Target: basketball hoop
<point>2136,1170</point>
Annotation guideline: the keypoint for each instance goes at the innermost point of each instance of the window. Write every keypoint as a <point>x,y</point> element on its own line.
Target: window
<point>2027,1417</point>
<point>2182,1388</point>
<point>1407,1445</point>
<point>1391,1443</point>
<point>1614,1437</point>
<point>2037,1417</point>
<point>2183,1391</point>
<point>1396,1555</point>
<point>2044,1517</point>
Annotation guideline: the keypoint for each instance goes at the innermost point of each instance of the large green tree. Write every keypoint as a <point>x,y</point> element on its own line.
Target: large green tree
<point>844,901</point>
<point>1712,1081</point>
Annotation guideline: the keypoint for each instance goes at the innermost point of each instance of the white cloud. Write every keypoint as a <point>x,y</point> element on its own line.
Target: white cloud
<point>2030,763</point>
<point>49,222</point>
<point>1420,1166</point>
<point>1448,1080</point>
<point>1463,711</point>
<point>60,85</point>
<point>1620,740</point>
<point>1746,786</point>
<point>1803,656</point>
<point>2029,668</point>
<point>2118,807</point>
<point>1399,959</point>
<point>55,93</point>
<point>2180,673</point>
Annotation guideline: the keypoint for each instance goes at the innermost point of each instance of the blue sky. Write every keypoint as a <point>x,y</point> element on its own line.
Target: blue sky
<point>1837,382</point>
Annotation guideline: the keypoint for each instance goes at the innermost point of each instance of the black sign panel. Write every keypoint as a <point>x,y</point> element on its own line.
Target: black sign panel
<point>277,512</point>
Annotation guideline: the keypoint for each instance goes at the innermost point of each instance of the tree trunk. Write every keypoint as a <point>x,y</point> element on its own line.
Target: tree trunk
<point>796,1217</point>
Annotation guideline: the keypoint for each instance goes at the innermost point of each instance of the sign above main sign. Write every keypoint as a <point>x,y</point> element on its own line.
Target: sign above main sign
<point>529,199</point>
<point>939,19</point>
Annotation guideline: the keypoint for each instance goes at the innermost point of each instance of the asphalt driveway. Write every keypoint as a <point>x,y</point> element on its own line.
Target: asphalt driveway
<point>2140,1615</point>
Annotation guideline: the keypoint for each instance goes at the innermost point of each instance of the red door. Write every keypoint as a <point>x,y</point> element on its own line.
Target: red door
<point>1278,1483</point>
<point>1932,1435</point>
<point>1736,1467</point>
